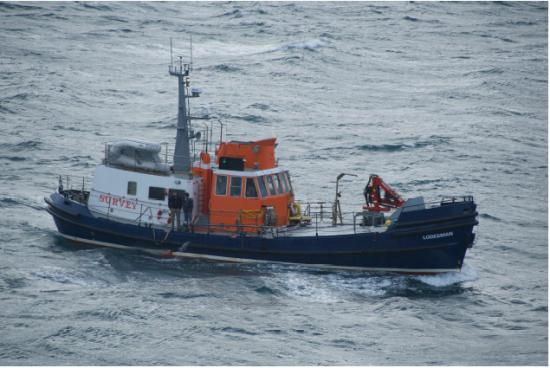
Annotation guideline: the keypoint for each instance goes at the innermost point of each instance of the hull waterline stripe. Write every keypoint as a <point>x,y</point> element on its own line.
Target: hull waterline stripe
<point>246,260</point>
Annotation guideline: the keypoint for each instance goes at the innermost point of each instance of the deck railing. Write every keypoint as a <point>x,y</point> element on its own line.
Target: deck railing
<point>319,213</point>
<point>75,182</point>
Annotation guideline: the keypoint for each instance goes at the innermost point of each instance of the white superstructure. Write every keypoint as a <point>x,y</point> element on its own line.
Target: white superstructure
<point>138,196</point>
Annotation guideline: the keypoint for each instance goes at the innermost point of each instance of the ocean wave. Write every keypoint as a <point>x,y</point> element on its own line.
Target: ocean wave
<point>13,158</point>
<point>22,146</point>
<point>236,13</point>
<point>123,30</point>
<point>250,118</point>
<point>174,295</point>
<point>216,48</point>
<point>14,6</point>
<point>252,24</point>
<point>8,202</point>
<point>487,71</point>
<point>239,13</point>
<point>395,147</point>
<point>267,290</point>
<point>261,106</point>
<point>330,36</point>
<point>337,103</point>
<point>96,6</point>
<point>384,147</point>
<point>114,18</point>
<point>390,147</point>
<point>489,217</point>
<point>62,276</point>
<point>227,68</point>
<point>4,109</point>
<point>18,97</point>
<point>232,330</point>
<point>410,19</point>
<point>420,182</point>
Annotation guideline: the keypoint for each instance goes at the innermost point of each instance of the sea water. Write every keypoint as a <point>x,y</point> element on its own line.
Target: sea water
<point>437,98</point>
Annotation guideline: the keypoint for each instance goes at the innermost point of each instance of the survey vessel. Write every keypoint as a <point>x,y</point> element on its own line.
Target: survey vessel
<point>240,206</point>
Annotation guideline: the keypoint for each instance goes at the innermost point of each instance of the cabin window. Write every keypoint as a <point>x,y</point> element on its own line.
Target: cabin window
<point>132,188</point>
<point>221,185</point>
<point>282,180</point>
<point>251,191</point>
<point>280,187</point>
<point>157,193</point>
<point>287,176</point>
<point>236,183</point>
<point>263,188</point>
<point>271,184</point>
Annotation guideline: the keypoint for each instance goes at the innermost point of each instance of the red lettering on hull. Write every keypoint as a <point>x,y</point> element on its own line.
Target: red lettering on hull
<point>117,201</point>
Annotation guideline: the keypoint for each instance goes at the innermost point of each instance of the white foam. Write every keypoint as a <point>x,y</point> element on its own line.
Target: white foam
<point>449,278</point>
<point>306,45</point>
<point>62,276</point>
<point>218,48</point>
<point>308,287</point>
<point>361,285</point>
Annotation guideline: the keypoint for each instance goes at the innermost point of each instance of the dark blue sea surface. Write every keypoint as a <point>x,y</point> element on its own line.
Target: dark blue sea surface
<point>437,98</point>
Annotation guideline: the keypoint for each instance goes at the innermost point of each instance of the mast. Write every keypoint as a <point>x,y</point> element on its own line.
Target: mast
<point>182,153</point>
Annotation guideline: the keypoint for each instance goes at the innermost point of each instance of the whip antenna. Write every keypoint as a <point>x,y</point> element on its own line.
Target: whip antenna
<point>171,54</point>
<point>191,52</point>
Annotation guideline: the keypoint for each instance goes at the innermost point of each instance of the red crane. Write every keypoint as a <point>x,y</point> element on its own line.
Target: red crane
<point>380,197</point>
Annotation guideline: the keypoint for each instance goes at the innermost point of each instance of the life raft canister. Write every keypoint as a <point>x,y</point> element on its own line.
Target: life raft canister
<point>295,210</point>
<point>296,216</point>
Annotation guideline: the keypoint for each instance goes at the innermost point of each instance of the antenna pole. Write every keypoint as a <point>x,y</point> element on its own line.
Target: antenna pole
<point>221,131</point>
<point>171,54</point>
<point>191,51</point>
<point>182,152</point>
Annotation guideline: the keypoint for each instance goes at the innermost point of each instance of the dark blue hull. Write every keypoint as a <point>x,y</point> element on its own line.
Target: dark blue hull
<point>427,241</point>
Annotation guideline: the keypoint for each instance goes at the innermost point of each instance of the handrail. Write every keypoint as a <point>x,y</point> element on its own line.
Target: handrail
<point>310,210</point>
<point>75,182</point>
<point>239,228</point>
<point>70,181</point>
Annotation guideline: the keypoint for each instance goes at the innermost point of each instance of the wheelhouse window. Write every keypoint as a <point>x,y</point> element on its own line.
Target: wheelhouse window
<point>251,191</point>
<point>156,193</point>
<point>287,176</point>
<point>221,185</point>
<point>280,187</point>
<point>236,183</point>
<point>281,177</point>
<point>271,185</point>
<point>263,188</point>
<point>132,188</point>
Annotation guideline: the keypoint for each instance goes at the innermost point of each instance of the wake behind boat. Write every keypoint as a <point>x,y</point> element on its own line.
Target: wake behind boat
<point>238,205</point>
